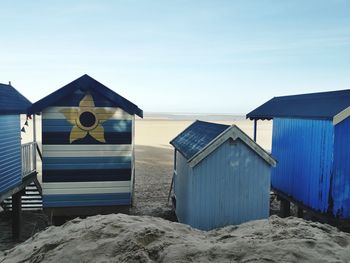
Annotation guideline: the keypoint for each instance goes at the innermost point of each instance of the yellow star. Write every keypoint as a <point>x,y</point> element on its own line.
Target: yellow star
<point>85,120</point>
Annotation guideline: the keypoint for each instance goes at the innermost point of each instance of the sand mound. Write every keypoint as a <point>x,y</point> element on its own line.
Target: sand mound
<point>122,238</point>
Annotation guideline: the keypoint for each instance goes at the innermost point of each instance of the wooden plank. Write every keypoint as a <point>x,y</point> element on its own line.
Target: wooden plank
<point>26,181</point>
<point>16,215</point>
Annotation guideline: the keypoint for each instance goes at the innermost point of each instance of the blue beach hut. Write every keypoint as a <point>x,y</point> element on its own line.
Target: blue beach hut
<point>17,162</point>
<point>87,149</point>
<point>310,141</point>
<point>221,176</point>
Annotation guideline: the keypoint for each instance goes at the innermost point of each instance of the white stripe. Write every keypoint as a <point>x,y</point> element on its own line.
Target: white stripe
<point>102,184</point>
<point>54,113</point>
<point>91,148</point>
<point>109,187</point>
<point>86,153</point>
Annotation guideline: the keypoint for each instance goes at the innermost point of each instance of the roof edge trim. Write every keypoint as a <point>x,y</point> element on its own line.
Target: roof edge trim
<point>231,132</point>
<point>341,116</point>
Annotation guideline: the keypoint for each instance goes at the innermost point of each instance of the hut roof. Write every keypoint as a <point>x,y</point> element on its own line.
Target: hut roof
<point>11,101</point>
<point>201,138</point>
<point>333,105</point>
<point>86,82</point>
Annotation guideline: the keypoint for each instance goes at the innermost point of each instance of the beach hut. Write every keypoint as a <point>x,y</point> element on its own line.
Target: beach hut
<point>17,161</point>
<point>221,176</point>
<point>310,141</point>
<point>87,149</point>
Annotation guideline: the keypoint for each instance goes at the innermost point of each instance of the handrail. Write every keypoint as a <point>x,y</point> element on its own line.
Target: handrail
<point>39,152</point>
<point>28,156</point>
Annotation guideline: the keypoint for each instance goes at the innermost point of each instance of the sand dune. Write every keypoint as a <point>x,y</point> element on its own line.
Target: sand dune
<point>122,238</point>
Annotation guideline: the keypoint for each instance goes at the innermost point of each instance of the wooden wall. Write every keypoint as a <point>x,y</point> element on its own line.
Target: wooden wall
<point>10,153</point>
<point>87,168</point>
<point>230,186</point>
<point>304,151</point>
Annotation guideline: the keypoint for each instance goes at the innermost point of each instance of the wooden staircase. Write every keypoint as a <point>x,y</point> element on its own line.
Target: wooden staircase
<point>31,199</point>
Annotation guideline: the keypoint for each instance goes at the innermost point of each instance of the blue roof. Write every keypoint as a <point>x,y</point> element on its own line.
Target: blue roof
<point>322,105</point>
<point>11,101</point>
<point>86,83</point>
<point>197,136</point>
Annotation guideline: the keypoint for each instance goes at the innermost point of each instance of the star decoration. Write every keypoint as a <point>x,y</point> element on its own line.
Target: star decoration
<point>87,120</point>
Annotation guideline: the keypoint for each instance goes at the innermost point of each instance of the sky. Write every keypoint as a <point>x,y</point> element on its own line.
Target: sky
<point>176,55</point>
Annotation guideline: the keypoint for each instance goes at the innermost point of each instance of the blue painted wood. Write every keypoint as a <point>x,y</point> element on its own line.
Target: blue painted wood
<point>109,165</point>
<point>182,189</point>
<point>81,85</point>
<point>195,137</point>
<point>87,160</point>
<point>341,170</point>
<point>10,154</point>
<point>230,186</point>
<point>63,138</point>
<point>304,152</point>
<point>87,175</point>
<point>11,101</point>
<point>61,125</point>
<point>86,200</point>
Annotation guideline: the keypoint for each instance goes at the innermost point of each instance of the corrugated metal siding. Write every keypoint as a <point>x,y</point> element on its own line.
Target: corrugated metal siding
<point>87,167</point>
<point>304,152</point>
<point>182,189</point>
<point>10,152</point>
<point>341,172</point>
<point>230,186</point>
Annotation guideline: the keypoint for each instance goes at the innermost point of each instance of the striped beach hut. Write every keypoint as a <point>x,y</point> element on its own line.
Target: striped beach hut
<point>221,176</point>
<point>310,141</point>
<point>87,149</point>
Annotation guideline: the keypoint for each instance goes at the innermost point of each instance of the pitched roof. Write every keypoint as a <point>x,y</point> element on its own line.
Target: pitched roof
<point>11,101</point>
<point>86,82</point>
<point>322,105</point>
<point>201,138</point>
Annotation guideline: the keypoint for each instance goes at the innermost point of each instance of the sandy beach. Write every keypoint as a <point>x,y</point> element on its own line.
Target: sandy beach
<point>147,237</point>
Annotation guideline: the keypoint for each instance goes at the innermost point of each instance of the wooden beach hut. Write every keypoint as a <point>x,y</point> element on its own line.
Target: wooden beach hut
<point>310,141</point>
<point>87,149</point>
<point>221,176</point>
<point>17,161</point>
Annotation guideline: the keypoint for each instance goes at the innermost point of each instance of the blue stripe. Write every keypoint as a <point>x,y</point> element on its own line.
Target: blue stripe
<point>63,138</point>
<point>62,125</point>
<point>94,166</point>
<point>87,175</point>
<point>86,200</point>
<point>96,160</point>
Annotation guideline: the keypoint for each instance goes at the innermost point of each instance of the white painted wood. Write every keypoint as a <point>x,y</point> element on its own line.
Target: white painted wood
<point>341,116</point>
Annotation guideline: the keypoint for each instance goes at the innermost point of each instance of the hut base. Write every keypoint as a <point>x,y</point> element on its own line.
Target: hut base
<point>59,215</point>
<point>314,215</point>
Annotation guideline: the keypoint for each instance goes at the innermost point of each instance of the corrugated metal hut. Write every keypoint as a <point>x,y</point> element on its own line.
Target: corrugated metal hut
<point>310,141</point>
<point>87,148</point>
<point>12,104</point>
<point>221,176</point>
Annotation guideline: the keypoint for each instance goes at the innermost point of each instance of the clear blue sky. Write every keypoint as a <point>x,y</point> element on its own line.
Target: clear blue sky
<point>178,56</point>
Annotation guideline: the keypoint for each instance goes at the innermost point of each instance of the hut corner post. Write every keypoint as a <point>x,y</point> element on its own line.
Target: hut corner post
<point>16,214</point>
<point>255,127</point>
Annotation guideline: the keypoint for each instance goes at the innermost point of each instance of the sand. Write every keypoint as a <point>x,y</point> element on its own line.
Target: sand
<point>123,238</point>
<point>118,238</point>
